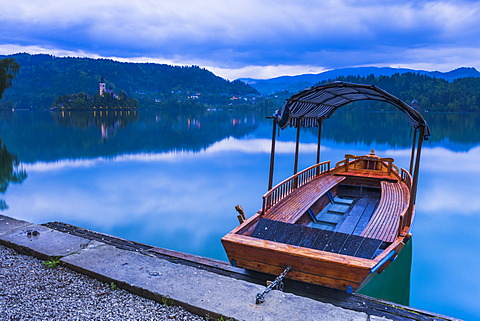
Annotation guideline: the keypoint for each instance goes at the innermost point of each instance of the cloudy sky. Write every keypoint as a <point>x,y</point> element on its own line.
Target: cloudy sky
<point>250,38</point>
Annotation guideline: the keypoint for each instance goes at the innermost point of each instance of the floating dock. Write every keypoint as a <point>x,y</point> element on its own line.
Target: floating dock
<point>204,286</point>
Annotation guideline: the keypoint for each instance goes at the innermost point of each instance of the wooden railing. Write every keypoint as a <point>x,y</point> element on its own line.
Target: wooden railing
<point>368,163</point>
<point>406,177</point>
<point>280,191</point>
<point>406,216</point>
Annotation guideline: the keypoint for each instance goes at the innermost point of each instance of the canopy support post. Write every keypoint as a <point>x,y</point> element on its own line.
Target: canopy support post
<point>319,142</point>
<point>272,154</point>
<point>417,165</point>
<point>412,157</point>
<point>297,146</point>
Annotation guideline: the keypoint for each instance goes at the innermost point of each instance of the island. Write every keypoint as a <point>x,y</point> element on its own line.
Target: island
<point>104,99</point>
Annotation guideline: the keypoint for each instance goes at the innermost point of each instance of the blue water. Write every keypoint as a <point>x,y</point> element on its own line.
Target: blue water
<point>173,179</point>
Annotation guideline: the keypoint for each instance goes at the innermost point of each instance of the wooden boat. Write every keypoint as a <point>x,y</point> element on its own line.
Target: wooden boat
<point>334,226</point>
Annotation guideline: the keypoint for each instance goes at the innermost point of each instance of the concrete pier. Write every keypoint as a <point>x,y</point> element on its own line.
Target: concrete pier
<point>203,286</point>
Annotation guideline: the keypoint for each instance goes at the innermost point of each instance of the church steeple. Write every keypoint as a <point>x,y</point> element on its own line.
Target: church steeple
<point>102,86</point>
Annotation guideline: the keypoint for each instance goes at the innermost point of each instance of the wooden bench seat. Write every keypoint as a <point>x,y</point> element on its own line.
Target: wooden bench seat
<point>292,207</point>
<point>385,221</point>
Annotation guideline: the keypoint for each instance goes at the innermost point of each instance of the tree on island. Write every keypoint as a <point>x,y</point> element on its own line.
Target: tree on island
<point>84,101</point>
<point>8,69</point>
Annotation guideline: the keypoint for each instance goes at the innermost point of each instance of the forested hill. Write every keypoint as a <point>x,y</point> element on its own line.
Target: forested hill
<point>432,94</point>
<point>42,78</point>
<point>298,82</point>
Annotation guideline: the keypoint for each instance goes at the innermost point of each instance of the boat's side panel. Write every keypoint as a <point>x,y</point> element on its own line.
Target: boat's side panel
<point>308,265</point>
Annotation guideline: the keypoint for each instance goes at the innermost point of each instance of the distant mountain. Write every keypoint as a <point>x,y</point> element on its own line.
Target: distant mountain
<point>42,78</point>
<point>296,83</point>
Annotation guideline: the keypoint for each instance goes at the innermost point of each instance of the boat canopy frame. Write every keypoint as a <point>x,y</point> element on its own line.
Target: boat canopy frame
<point>311,106</point>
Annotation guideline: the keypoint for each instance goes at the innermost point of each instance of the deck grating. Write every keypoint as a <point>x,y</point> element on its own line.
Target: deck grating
<point>322,239</point>
<point>315,238</point>
<point>352,245</point>
<point>368,248</point>
<point>335,244</point>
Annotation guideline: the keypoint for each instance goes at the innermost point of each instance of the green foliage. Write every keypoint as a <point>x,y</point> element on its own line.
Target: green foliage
<point>432,94</point>
<point>167,301</point>
<point>113,286</point>
<point>9,171</point>
<point>85,101</point>
<point>52,262</point>
<point>8,69</point>
<point>43,78</point>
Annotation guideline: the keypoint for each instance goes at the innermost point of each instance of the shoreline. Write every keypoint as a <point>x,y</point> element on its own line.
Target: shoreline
<point>202,292</point>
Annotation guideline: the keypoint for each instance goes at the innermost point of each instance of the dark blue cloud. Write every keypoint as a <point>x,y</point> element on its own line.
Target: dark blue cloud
<point>236,34</point>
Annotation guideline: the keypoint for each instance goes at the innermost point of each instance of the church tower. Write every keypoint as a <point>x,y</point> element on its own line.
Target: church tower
<point>102,86</point>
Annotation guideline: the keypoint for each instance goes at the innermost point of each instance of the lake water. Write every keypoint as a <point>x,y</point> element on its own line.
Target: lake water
<point>172,179</point>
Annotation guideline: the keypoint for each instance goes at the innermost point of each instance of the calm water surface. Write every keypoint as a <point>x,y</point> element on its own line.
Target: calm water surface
<point>173,179</point>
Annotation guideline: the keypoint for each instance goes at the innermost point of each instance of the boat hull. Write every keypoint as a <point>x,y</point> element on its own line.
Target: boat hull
<point>342,245</point>
<point>307,265</point>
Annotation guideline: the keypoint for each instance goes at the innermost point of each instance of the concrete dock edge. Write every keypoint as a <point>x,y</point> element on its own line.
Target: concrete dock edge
<point>199,291</point>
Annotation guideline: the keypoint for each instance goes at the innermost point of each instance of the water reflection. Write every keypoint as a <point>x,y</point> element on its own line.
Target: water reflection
<point>79,133</point>
<point>10,172</point>
<point>94,134</point>
<point>172,179</point>
<point>456,131</point>
<point>109,121</point>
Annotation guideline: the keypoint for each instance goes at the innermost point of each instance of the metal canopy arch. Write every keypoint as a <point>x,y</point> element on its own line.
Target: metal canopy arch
<point>307,107</point>
<point>311,106</point>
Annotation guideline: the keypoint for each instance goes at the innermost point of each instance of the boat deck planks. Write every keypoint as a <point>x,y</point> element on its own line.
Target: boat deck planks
<point>322,240</point>
<point>297,238</point>
<point>335,244</point>
<point>358,216</point>
<point>314,238</point>
<point>385,220</point>
<point>299,201</point>
<point>309,239</point>
<point>368,248</point>
<point>363,222</point>
<point>352,245</point>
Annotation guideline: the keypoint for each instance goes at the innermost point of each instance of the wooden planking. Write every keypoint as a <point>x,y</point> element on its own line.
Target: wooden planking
<point>336,242</point>
<point>300,200</point>
<point>309,238</point>
<point>262,228</point>
<point>280,233</point>
<point>370,174</point>
<point>352,245</point>
<point>366,216</point>
<point>291,235</point>
<point>314,238</point>
<point>299,234</point>
<point>322,239</point>
<point>300,275</point>
<point>351,220</point>
<point>384,223</point>
<point>368,248</point>
<point>278,255</point>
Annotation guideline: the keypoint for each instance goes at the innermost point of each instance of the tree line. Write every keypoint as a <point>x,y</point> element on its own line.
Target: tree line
<point>8,70</point>
<point>84,101</point>
<point>432,94</point>
<point>43,78</point>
